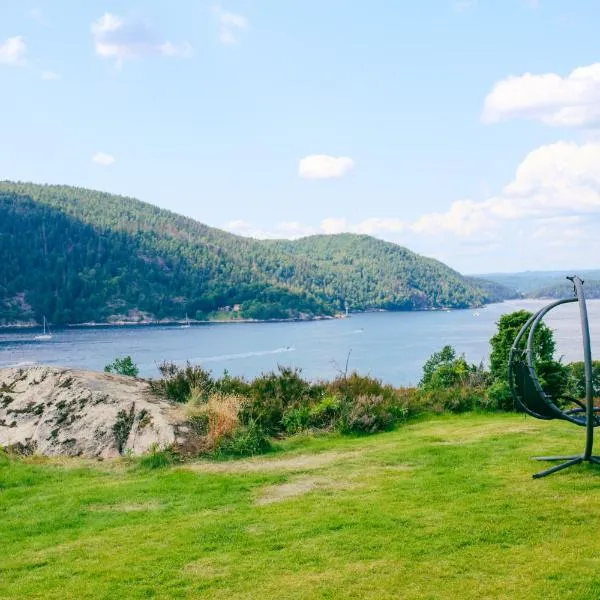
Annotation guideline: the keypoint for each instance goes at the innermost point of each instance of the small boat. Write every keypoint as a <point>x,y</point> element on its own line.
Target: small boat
<point>46,335</point>
<point>476,313</point>
<point>187,323</point>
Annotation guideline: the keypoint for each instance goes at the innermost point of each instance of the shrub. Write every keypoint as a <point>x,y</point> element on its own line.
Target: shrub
<point>499,396</point>
<point>295,420</point>
<point>502,341</point>
<point>554,379</point>
<point>355,385</point>
<point>122,427</point>
<point>444,370</point>
<point>576,379</point>
<point>159,458</point>
<point>211,422</point>
<point>368,414</point>
<point>244,441</point>
<point>272,394</point>
<point>552,374</point>
<point>123,366</point>
<point>455,399</point>
<point>223,417</point>
<point>325,413</point>
<point>236,386</point>
<point>178,383</point>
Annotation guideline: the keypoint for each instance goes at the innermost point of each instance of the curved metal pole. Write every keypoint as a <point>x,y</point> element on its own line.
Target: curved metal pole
<point>536,321</point>
<point>511,384</point>
<point>587,363</point>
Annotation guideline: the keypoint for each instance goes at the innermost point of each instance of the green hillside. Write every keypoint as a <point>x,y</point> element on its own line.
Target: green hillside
<point>537,284</point>
<point>77,256</point>
<point>564,289</point>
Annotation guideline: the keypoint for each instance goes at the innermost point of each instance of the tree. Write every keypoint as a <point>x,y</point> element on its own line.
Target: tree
<point>123,366</point>
<point>444,369</point>
<point>552,374</point>
<point>508,328</point>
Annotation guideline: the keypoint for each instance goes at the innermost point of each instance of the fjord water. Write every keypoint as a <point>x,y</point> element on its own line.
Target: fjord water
<point>391,346</point>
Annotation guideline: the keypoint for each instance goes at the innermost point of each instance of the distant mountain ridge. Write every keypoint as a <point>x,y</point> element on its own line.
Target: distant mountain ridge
<point>77,256</point>
<point>547,284</point>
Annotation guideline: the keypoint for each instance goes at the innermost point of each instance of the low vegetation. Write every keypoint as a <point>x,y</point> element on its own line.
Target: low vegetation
<point>123,366</point>
<point>237,417</point>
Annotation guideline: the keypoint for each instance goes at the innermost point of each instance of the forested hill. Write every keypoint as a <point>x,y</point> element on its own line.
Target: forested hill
<point>76,256</point>
<point>547,284</point>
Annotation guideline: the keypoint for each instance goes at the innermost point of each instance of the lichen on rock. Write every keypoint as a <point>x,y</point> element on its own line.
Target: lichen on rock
<point>56,411</point>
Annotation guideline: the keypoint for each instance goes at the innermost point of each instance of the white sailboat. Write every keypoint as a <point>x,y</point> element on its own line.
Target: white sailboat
<point>187,323</point>
<point>46,335</point>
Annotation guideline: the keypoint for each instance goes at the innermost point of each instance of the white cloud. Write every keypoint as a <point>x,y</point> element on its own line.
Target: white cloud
<point>182,50</point>
<point>127,39</point>
<point>230,25</point>
<point>464,218</point>
<point>103,159</point>
<point>49,76</point>
<point>553,183</point>
<point>322,166</point>
<point>572,101</point>
<point>547,216</point>
<point>331,225</point>
<point>294,229</point>
<point>12,51</point>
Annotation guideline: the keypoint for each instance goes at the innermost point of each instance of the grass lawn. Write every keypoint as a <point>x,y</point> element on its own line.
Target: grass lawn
<point>443,508</point>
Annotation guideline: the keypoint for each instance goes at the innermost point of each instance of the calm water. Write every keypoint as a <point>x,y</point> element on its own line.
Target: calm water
<point>392,346</point>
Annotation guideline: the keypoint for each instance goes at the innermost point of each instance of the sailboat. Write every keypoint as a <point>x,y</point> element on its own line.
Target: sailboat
<point>187,323</point>
<point>46,335</point>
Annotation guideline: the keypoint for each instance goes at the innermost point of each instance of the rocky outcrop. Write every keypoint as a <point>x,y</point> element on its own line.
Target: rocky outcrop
<point>54,411</point>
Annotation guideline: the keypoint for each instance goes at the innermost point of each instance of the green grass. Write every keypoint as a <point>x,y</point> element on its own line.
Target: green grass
<point>443,508</point>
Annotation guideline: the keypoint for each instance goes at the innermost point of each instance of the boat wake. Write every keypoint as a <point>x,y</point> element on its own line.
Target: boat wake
<point>242,355</point>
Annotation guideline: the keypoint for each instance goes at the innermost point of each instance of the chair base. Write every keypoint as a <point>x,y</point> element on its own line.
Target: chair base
<point>570,461</point>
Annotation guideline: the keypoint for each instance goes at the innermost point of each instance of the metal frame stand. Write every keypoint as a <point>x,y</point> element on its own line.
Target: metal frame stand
<point>587,455</point>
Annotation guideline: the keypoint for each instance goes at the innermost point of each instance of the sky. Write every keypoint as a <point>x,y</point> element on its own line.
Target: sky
<point>465,130</point>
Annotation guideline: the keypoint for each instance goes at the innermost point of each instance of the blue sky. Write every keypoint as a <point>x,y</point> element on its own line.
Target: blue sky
<point>466,131</point>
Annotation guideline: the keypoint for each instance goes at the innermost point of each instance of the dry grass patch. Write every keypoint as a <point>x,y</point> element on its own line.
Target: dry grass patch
<point>206,569</point>
<point>126,507</point>
<point>298,487</point>
<point>302,462</point>
<point>451,433</point>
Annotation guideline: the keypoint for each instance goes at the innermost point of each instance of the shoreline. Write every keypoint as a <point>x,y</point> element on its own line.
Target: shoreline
<point>150,323</point>
<point>28,325</point>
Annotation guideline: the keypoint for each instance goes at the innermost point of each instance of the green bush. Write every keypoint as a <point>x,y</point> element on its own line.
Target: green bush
<point>445,370</point>
<point>177,383</point>
<point>244,441</point>
<point>368,414</point>
<point>552,374</point>
<point>271,395</point>
<point>576,379</point>
<point>355,385</point>
<point>326,412</point>
<point>232,386</point>
<point>455,399</point>
<point>159,458</point>
<point>122,427</point>
<point>297,419</point>
<point>123,366</point>
<point>499,396</point>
